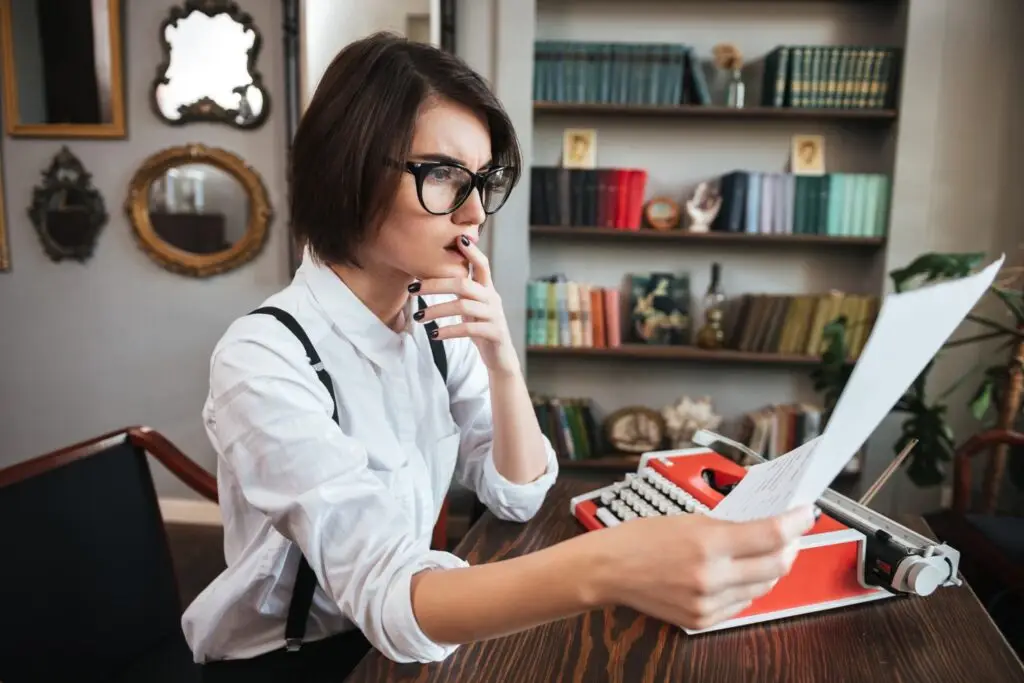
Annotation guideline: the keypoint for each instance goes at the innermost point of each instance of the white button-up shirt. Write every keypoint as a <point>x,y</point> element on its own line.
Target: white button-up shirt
<point>360,500</point>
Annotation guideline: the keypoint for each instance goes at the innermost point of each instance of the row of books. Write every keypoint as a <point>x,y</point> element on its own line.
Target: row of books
<point>834,204</point>
<point>774,430</point>
<point>569,313</point>
<point>830,77</point>
<point>795,323</point>
<point>618,73</point>
<point>600,197</point>
<point>570,426</point>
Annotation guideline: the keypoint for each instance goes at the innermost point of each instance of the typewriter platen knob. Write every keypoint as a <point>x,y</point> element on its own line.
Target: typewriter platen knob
<point>923,578</point>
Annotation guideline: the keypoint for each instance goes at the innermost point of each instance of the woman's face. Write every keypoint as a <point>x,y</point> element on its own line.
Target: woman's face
<point>413,242</point>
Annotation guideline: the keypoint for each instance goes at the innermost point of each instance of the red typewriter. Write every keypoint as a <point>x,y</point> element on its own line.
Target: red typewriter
<point>852,554</point>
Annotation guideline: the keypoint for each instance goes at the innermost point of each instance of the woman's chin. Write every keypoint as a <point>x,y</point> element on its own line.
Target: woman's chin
<point>447,268</point>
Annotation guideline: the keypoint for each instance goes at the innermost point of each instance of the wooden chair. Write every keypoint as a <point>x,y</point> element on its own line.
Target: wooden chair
<point>991,544</point>
<point>93,595</point>
<point>90,591</point>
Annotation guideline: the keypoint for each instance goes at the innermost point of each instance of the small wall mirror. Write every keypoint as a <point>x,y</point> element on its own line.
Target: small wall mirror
<point>62,68</point>
<point>198,210</point>
<point>67,211</point>
<point>209,71</point>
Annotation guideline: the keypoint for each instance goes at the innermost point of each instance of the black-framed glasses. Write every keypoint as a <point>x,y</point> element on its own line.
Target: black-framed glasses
<point>444,186</point>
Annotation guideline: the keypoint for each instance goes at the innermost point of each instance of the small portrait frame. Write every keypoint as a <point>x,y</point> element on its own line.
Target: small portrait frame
<point>807,155</point>
<point>579,148</point>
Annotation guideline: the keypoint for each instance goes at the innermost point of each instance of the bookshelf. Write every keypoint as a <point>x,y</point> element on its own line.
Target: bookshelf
<point>714,112</point>
<point>622,237</point>
<point>652,352</point>
<point>679,142</point>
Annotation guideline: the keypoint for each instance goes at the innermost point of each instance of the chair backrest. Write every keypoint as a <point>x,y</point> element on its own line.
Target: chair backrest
<point>983,442</point>
<point>87,574</point>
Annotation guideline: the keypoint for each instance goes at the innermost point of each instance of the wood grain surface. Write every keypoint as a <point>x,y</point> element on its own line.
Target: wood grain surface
<point>944,638</point>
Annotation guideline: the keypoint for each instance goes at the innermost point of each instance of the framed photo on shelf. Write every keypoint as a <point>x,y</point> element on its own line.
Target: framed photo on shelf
<point>579,148</point>
<point>807,155</point>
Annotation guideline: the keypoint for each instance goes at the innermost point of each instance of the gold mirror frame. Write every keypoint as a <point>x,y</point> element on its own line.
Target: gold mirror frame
<point>115,129</point>
<point>183,262</point>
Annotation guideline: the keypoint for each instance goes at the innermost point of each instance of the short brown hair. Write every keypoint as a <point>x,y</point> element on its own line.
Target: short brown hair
<point>360,121</point>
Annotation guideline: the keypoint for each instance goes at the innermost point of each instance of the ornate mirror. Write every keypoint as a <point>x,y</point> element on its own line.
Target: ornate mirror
<point>62,68</point>
<point>67,211</point>
<point>198,210</point>
<point>209,69</point>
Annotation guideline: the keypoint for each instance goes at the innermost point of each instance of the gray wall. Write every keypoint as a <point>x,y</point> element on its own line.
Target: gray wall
<point>119,341</point>
<point>959,160</point>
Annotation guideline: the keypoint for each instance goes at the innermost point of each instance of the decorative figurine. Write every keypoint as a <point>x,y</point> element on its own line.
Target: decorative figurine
<point>703,208</point>
<point>685,417</point>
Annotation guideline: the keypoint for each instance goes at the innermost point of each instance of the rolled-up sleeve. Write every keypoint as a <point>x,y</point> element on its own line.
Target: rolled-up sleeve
<point>471,409</point>
<point>272,420</point>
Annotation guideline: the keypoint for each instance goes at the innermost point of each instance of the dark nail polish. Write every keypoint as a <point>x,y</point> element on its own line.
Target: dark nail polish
<point>465,241</point>
<point>414,287</point>
<point>418,315</point>
<point>433,334</point>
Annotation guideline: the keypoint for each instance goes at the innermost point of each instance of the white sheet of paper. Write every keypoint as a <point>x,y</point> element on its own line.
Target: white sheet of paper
<point>771,485</point>
<point>910,329</point>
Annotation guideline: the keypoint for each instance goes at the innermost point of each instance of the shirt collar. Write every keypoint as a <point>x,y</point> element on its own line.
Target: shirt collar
<point>350,316</point>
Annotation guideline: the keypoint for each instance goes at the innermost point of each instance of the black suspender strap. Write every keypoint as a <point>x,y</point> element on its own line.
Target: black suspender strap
<point>305,579</point>
<point>314,359</point>
<point>436,345</point>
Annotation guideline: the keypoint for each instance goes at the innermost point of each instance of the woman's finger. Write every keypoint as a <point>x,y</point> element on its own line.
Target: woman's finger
<point>481,266</point>
<point>458,307</point>
<point>478,330</point>
<point>461,287</point>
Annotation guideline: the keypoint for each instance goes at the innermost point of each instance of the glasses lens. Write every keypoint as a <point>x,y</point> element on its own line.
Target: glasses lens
<point>444,188</point>
<point>496,190</point>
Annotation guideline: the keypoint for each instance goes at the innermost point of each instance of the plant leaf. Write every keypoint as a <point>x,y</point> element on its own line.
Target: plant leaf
<point>1013,302</point>
<point>982,399</point>
<point>935,266</point>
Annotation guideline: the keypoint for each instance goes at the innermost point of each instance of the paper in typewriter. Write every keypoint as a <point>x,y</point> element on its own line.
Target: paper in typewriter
<point>910,329</point>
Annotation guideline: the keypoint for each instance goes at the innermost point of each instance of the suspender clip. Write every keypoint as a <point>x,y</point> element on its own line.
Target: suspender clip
<point>293,644</point>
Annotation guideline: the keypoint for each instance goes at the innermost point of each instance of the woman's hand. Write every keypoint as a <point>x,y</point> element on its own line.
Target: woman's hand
<point>478,303</point>
<point>696,571</point>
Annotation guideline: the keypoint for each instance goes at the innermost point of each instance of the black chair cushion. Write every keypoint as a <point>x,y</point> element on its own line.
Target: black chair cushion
<point>1006,533</point>
<point>170,661</point>
<point>88,578</point>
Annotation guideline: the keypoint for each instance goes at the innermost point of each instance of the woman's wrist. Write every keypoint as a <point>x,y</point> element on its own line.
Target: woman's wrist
<point>506,366</point>
<point>598,569</point>
<point>495,599</point>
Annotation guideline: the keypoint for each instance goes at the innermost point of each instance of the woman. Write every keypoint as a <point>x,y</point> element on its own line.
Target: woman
<point>338,431</point>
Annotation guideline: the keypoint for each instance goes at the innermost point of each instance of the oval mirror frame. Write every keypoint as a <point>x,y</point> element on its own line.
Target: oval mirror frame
<point>184,262</point>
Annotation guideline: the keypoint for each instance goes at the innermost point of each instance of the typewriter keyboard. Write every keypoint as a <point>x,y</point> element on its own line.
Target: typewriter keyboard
<point>645,494</point>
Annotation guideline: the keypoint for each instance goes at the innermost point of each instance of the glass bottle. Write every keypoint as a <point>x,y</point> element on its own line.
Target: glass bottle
<point>711,334</point>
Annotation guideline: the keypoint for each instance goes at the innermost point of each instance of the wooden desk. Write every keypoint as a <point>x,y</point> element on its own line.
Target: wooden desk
<point>944,638</point>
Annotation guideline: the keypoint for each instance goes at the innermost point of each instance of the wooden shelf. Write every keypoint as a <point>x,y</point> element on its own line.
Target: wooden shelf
<point>714,112</point>
<point>646,235</point>
<point>678,353</point>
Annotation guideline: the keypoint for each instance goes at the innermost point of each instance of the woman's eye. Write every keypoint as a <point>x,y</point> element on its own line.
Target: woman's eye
<point>440,175</point>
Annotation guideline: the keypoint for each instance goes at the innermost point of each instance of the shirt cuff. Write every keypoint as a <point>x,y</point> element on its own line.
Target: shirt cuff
<point>519,502</point>
<point>408,643</point>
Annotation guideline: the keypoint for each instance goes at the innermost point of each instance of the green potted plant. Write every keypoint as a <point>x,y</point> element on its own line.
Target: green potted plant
<point>997,398</point>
